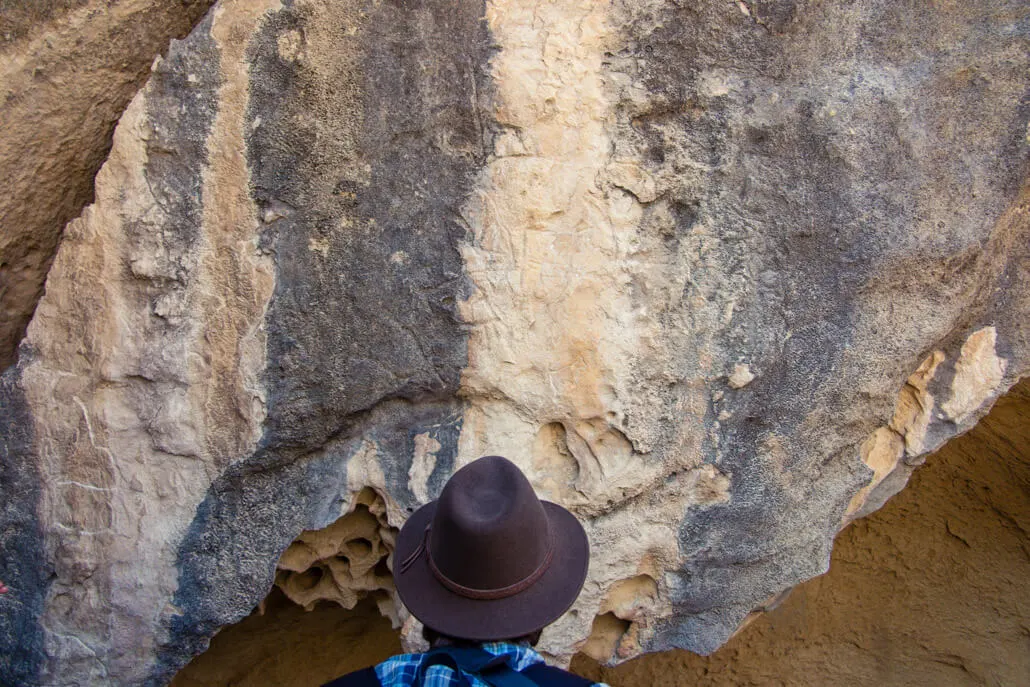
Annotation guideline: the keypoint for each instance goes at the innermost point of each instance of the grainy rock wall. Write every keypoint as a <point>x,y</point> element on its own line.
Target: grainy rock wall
<point>68,68</point>
<point>284,645</point>
<point>930,590</point>
<point>677,262</point>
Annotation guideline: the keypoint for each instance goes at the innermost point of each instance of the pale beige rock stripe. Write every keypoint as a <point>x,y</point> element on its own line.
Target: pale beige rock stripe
<point>555,332</point>
<point>122,485</point>
<point>241,278</point>
<point>978,375</point>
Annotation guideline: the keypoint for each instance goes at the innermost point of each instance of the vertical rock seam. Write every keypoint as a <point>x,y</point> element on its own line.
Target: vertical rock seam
<point>152,387</point>
<point>363,140</point>
<point>67,72</point>
<point>569,292</point>
<point>111,376</point>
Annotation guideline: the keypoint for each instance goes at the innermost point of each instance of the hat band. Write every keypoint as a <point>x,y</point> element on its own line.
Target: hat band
<point>473,592</point>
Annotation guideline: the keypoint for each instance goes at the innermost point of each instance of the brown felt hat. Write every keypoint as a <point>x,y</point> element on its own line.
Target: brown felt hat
<point>489,560</point>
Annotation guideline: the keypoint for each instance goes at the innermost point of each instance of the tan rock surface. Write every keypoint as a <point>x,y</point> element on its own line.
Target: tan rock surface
<point>675,260</point>
<point>290,647</point>
<point>344,563</point>
<point>68,69</point>
<point>931,590</point>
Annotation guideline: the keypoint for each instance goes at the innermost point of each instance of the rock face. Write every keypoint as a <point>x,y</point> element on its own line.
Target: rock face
<point>68,68</point>
<point>287,646</point>
<point>930,590</point>
<point>676,261</point>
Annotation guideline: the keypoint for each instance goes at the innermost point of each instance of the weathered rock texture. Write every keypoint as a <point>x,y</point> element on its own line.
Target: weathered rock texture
<point>68,68</point>
<point>676,261</point>
<point>932,590</point>
<point>343,563</point>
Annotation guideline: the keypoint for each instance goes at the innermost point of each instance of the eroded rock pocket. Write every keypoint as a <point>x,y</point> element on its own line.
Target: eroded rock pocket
<point>332,609</point>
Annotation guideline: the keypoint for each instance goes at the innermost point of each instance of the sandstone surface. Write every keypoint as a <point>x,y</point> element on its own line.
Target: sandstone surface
<point>286,646</point>
<point>930,590</point>
<point>68,68</point>
<point>716,275</point>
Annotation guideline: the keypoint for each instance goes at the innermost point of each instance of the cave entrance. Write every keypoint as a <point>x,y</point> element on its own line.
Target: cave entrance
<point>932,589</point>
<point>332,610</point>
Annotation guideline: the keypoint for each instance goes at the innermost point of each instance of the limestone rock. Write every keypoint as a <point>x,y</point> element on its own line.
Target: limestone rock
<point>940,571</point>
<point>347,561</point>
<point>343,249</point>
<point>68,68</point>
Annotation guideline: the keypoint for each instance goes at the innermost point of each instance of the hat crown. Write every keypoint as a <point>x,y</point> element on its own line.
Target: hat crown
<point>490,530</point>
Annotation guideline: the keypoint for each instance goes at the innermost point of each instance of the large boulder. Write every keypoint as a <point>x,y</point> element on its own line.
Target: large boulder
<point>716,275</point>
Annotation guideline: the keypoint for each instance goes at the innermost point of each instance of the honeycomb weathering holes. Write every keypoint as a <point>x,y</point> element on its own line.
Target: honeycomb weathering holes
<point>345,562</point>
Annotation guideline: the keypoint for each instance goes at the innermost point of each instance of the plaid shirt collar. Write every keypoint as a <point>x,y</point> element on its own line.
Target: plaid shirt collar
<point>400,671</point>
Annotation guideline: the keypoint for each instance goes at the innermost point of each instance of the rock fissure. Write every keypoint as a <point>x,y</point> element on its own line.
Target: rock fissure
<point>107,53</point>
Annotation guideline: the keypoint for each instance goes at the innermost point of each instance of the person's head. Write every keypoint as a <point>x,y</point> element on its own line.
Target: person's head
<point>489,561</point>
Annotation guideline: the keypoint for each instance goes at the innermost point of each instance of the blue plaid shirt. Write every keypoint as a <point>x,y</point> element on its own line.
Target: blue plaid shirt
<point>400,671</point>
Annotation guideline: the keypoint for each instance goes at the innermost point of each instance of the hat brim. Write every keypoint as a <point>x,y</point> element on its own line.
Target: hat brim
<point>489,620</point>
